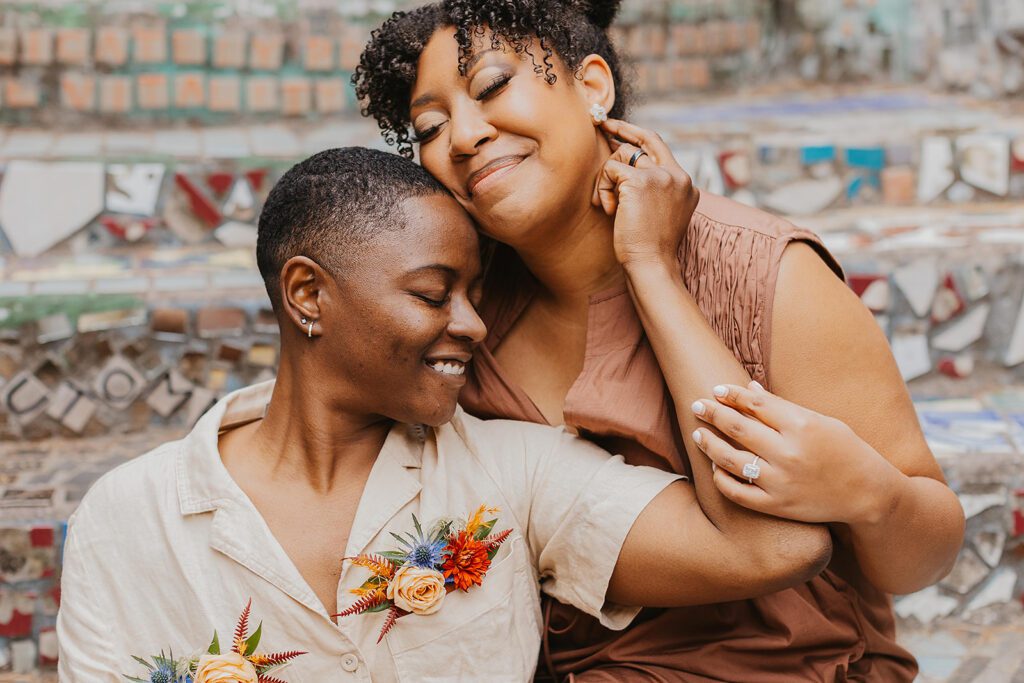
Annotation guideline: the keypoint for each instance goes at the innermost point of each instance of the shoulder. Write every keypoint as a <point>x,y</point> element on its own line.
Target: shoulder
<point>731,260</point>
<point>723,214</point>
<point>726,229</point>
<point>504,438</point>
<point>515,447</point>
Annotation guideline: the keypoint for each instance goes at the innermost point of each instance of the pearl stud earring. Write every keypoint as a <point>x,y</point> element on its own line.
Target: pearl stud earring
<point>598,113</point>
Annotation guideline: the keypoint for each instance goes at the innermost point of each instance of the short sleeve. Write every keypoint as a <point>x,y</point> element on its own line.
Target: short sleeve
<point>583,504</point>
<point>86,654</point>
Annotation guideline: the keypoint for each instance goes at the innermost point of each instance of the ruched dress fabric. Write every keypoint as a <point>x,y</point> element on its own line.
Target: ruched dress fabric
<point>837,627</point>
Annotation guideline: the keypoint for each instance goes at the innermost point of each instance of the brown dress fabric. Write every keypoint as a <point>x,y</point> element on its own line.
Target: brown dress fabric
<point>837,627</point>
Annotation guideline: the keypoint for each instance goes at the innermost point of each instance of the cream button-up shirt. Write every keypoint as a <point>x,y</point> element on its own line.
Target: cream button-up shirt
<point>167,548</point>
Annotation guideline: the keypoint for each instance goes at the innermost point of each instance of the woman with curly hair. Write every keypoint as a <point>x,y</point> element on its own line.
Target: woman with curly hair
<point>517,107</point>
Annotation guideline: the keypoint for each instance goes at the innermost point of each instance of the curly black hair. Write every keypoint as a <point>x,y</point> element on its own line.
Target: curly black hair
<point>570,29</point>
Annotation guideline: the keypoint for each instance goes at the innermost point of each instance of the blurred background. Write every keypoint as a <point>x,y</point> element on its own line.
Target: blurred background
<point>138,140</point>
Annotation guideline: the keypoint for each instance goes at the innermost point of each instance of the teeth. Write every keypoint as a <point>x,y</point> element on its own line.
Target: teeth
<point>449,368</point>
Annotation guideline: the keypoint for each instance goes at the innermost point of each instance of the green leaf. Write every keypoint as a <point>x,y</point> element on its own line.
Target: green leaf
<point>143,662</point>
<point>214,646</point>
<point>400,540</point>
<point>416,523</point>
<point>254,640</point>
<point>382,607</point>
<point>137,680</point>
<point>367,585</point>
<point>485,530</point>
<point>492,552</point>
<point>394,555</point>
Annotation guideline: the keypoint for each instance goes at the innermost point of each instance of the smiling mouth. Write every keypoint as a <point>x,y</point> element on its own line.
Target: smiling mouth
<point>454,368</point>
<point>490,169</point>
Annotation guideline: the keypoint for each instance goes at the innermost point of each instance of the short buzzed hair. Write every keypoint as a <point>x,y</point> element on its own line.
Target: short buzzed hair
<point>332,202</point>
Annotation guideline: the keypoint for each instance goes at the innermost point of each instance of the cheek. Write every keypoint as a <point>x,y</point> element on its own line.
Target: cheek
<point>407,333</point>
<point>434,157</point>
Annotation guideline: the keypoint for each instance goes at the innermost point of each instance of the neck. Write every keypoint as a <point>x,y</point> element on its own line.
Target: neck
<point>580,262</point>
<point>303,437</point>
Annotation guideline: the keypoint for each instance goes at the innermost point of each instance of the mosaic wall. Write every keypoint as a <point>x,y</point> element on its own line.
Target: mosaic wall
<point>210,61</point>
<point>84,281</point>
<point>199,61</point>
<point>128,306</point>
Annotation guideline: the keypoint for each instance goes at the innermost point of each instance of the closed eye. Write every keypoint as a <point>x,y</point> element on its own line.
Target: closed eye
<point>496,84</point>
<point>425,135</point>
<point>436,303</point>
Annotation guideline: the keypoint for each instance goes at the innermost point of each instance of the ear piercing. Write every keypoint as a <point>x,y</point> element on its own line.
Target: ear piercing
<point>598,113</point>
<point>309,332</point>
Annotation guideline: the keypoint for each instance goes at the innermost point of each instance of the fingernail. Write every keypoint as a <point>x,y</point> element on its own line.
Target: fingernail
<point>698,408</point>
<point>756,385</point>
<point>721,391</point>
<point>714,468</point>
<point>697,437</point>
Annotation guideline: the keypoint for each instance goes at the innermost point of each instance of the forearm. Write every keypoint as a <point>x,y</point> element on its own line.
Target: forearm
<point>693,360</point>
<point>912,537</point>
<point>696,563</point>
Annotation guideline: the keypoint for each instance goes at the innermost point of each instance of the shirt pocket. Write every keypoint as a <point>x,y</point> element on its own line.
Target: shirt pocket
<point>475,635</point>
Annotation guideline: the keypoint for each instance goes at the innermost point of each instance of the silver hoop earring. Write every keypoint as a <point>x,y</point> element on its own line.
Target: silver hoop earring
<point>310,332</point>
<point>598,113</point>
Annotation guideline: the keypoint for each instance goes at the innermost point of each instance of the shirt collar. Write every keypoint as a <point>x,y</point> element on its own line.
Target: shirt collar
<point>204,482</point>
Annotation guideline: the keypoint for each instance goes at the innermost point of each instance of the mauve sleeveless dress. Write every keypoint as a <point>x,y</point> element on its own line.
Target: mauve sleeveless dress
<point>836,627</point>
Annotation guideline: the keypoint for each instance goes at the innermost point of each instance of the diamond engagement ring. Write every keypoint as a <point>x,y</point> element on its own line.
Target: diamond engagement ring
<point>752,470</point>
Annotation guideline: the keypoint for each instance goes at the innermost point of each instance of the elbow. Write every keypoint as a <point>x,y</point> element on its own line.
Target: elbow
<point>934,564</point>
<point>800,557</point>
<point>818,554</point>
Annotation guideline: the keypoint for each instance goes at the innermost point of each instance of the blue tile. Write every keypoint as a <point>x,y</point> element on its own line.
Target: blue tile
<point>817,155</point>
<point>866,157</point>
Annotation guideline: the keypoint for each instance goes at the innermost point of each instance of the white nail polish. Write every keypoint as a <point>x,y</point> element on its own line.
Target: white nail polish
<point>697,437</point>
<point>721,391</point>
<point>714,468</point>
<point>698,408</point>
<point>757,385</point>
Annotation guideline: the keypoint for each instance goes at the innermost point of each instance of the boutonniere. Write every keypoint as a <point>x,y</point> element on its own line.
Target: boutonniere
<point>242,664</point>
<point>416,577</point>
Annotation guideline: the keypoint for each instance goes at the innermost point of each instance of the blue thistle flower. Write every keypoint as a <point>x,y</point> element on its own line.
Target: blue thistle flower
<point>422,550</point>
<point>163,674</point>
<point>426,554</point>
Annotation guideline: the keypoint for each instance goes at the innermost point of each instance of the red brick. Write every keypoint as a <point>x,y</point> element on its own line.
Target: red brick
<point>42,537</point>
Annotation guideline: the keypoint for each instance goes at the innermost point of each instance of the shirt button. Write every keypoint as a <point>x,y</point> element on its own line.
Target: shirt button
<point>350,663</point>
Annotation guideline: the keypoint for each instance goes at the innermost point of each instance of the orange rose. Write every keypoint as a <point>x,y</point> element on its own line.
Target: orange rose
<point>229,667</point>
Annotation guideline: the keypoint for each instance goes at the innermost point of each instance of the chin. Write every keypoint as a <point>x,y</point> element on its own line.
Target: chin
<point>436,415</point>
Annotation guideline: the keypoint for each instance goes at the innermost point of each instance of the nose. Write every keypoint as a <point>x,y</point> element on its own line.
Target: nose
<point>466,323</point>
<point>469,129</point>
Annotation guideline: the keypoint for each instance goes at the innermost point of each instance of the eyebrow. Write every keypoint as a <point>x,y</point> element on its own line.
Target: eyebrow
<point>430,98</point>
<point>448,270</point>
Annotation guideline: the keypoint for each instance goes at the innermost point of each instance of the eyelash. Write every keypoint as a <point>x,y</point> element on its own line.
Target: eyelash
<point>494,86</point>
<point>419,137</point>
<point>432,302</point>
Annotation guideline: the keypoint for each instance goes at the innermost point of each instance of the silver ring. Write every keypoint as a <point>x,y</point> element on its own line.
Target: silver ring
<point>752,470</point>
<point>636,157</point>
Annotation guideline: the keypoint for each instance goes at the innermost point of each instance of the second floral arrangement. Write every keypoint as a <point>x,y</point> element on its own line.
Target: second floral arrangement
<point>241,664</point>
